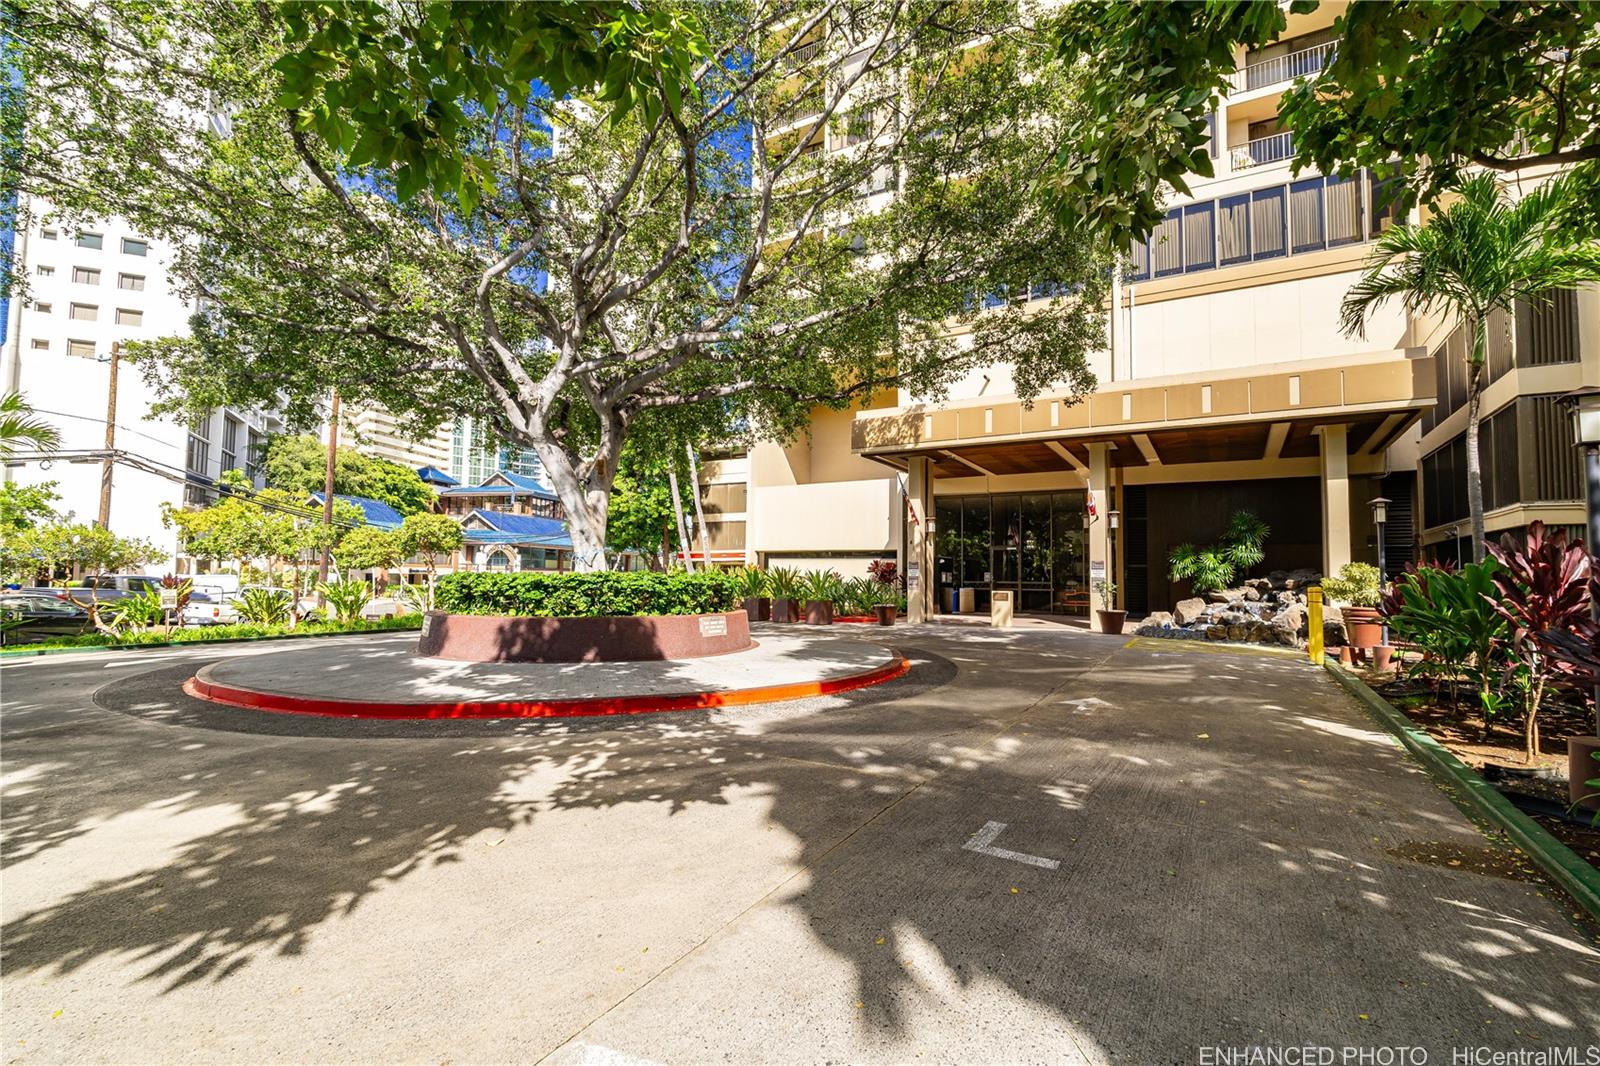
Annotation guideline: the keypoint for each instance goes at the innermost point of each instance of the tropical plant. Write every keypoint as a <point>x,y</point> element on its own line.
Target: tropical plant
<point>347,598</point>
<point>19,426</point>
<point>417,598</point>
<point>265,607</point>
<point>1212,567</point>
<point>1449,616</point>
<point>785,582</point>
<point>134,612</point>
<point>753,582</point>
<point>1544,590</point>
<point>1356,585</point>
<point>861,594</point>
<point>821,586</point>
<point>885,572</point>
<point>1480,255</point>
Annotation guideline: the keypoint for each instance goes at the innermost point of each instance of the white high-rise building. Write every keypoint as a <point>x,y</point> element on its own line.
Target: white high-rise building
<point>475,455</point>
<point>378,432</point>
<point>87,289</point>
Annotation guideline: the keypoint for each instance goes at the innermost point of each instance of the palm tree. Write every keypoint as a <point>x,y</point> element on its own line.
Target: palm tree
<point>1481,254</point>
<point>18,426</point>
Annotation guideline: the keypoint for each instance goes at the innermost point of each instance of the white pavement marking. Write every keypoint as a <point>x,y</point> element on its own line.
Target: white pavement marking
<point>984,838</point>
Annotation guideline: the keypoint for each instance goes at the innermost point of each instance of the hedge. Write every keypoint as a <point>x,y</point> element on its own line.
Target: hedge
<point>579,595</point>
<point>210,634</point>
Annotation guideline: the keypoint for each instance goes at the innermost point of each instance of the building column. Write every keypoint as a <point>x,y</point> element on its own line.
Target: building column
<point>1335,457</point>
<point>1099,529</point>
<point>919,555</point>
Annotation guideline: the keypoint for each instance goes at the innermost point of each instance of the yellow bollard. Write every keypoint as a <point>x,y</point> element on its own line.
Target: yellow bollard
<point>1314,623</point>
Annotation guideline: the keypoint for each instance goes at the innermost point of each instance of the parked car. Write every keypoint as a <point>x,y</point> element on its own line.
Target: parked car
<point>30,616</point>
<point>210,607</point>
<point>108,588</point>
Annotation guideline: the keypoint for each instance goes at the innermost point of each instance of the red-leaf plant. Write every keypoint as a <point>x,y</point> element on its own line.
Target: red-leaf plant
<point>1544,592</point>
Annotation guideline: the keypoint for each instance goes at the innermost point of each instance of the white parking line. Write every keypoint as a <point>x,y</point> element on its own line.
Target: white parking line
<point>983,840</point>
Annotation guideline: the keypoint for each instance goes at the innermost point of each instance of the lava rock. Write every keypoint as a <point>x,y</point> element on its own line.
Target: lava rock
<point>1188,611</point>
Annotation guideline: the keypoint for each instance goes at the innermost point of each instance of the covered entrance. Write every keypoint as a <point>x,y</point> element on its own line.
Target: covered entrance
<point>1033,544</point>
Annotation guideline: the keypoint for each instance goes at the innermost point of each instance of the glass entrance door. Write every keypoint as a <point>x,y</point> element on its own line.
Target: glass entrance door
<point>1032,545</point>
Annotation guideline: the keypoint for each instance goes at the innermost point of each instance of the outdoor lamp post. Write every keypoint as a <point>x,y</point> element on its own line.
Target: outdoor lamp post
<point>1380,515</point>
<point>1113,523</point>
<point>1585,406</point>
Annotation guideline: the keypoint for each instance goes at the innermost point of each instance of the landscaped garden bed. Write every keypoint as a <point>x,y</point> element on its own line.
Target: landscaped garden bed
<point>166,636</point>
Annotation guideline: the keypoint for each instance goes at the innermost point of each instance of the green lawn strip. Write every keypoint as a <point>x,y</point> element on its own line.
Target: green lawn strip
<point>52,648</point>
<point>1477,797</point>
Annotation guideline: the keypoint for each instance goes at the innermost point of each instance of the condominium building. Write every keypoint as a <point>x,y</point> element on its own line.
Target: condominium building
<point>374,430</point>
<point>90,288</point>
<point>1228,385</point>
<point>476,454</point>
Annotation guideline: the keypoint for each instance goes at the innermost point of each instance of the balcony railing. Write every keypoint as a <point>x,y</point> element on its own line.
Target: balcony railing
<point>1263,150</point>
<point>1282,68</point>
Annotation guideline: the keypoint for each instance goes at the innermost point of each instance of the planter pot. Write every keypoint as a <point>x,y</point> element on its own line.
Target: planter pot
<point>1347,655</point>
<point>1383,658</point>
<point>1582,767</point>
<point>785,610</point>
<point>1111,621</point>
<point>886,613</point>
<point>758,608</point>
<point>1363,626</point>
<point>819,613</point>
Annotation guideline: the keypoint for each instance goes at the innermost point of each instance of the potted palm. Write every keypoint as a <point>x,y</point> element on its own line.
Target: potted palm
<point>885,575</point>
<point>1356,593</point>
<point>820,588</point>
<point>1110,620</point>
<point>784,584</point>
<point>755,585</point>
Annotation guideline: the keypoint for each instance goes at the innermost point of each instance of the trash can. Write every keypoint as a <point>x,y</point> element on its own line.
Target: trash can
<point>952,601</point>
<point>968,601</point>
<point>1000,609</point>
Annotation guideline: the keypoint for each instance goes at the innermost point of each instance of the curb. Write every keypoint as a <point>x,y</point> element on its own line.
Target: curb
<point>595,706</point>
<point>26,653</point>
<point>1476,796</point>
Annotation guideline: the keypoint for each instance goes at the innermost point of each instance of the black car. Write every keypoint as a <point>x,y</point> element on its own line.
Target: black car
<point>28,617</point>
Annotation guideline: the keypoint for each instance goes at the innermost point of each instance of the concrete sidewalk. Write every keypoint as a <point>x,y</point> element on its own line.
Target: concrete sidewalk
<point>1037,847</point>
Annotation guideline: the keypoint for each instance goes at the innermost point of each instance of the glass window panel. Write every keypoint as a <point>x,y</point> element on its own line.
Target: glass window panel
<point>1233,229</point>
<point>1305,215</point>
<point>1166,244</point>
<point>1344,211</point>
<point>1267,223</point>
<point>975,527</point>
<point>1139,260</point>
<point>90,240</point>
<point>1200,236</point>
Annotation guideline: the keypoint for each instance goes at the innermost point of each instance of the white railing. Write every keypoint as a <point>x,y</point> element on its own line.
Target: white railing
<point>1282,68</point>
<point>1263,150</point>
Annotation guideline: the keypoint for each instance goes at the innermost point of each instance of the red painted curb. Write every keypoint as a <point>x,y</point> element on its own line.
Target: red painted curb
<point>277,703</point>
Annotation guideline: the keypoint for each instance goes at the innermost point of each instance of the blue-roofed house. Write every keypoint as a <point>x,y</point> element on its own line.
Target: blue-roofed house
<point>438,479</point>
<point>503,492</point>
<point>503,540</point>
<point>376,512</point>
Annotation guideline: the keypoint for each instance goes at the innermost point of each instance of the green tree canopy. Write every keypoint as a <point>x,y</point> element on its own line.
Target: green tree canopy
<point>273,525</point>
<point>299,464</point>
<point>1418,88</point>
<point>25,507</point>
<point>614,269</point>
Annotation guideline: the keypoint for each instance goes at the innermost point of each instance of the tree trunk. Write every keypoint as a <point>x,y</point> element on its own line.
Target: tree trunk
<point>585,499</point>
<point>677,512</point>
<point>1480,328</point>
<point>699,512</point>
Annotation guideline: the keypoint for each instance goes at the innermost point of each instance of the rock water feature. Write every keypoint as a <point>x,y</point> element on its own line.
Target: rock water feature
<point>1263,610</point>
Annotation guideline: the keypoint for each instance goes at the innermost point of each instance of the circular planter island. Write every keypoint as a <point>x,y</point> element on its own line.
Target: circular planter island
<point>483,638</point>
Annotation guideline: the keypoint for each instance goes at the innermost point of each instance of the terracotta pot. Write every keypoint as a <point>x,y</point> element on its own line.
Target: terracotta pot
<point>819,612</point>
<point>1111,621</point>
<point>886,613</point>
<point>758,608</point>
<point>1363,626</point>
<point>1347,655</point>
<point>1583,766</point>
<point>785,610</point>
<point>1382,658</point>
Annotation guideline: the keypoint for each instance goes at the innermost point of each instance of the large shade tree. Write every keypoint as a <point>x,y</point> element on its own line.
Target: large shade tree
<point>704,261</point>
<point>1481,254</point>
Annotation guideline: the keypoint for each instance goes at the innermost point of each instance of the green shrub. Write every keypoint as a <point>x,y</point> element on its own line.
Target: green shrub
<point>824,586</point>
<point>1214,566</point>
<point>1356,585</point>
<point>217,634</point>
<point>784,582</point>
<point>753,582</point>
<point>1450,618</point>
<point>542,595</point>
<point>347,598</point>
<point>264,607</point>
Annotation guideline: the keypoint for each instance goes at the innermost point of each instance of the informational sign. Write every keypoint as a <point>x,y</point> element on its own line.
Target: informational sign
<point>1097,570</point>
<point>169,599</point>
<point>988,577</point>
<point>913,574</point>
<point>713,625</point>
<point>427,623</point>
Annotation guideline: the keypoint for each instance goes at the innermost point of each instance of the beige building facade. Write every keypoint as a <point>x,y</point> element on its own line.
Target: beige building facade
<point>1227,385</point>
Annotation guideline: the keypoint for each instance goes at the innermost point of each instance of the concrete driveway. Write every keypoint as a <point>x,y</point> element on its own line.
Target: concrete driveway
<point>1038,847</point>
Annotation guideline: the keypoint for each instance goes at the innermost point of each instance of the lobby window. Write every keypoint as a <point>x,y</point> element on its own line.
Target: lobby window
<point>85,312</point>
<point>81,349</point>
<point>131,282</point>
<point>85,276</point>
<point>127,316</point>
<point>90,240</point>
<point>130,246</point>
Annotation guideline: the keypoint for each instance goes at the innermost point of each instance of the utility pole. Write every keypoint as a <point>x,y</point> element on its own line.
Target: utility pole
<point>327,491</point>
<point>107,464</point>
<point>700,515</point>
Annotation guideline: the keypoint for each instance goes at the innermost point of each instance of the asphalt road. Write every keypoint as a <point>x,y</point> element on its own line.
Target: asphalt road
<point>1037,847</point>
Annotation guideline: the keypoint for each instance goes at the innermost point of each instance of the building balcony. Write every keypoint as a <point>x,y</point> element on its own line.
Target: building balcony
<point>1261,73</point>
<point>1274,149</point>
